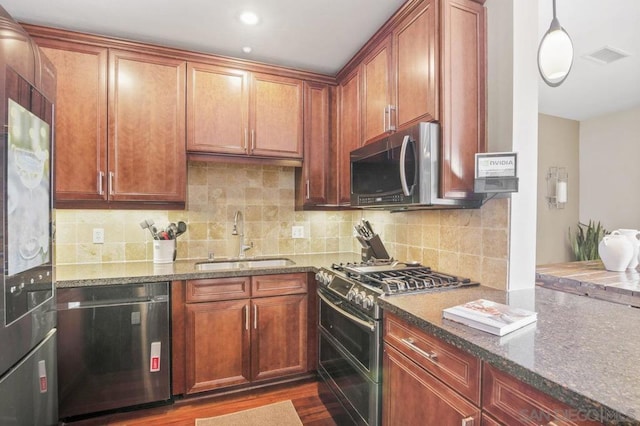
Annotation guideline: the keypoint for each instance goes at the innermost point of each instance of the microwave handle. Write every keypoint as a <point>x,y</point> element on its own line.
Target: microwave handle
<point>403,163</point>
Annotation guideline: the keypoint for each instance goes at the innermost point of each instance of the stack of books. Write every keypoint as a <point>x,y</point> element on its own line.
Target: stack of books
<point>492,317</point>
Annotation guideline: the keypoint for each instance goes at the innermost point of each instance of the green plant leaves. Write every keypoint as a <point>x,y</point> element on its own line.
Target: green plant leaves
<point>586,239</point>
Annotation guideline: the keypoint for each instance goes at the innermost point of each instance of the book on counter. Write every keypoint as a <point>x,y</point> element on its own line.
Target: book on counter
<point>492,317</point>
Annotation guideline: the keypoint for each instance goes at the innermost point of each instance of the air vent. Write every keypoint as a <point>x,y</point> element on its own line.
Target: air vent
<point>607,55</point>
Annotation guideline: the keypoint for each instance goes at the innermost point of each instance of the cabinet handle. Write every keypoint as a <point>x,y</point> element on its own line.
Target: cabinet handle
<point>246,317</point>
<point>100,179</point>
<point>384,119</point>
<point>246,140</point>
<point>392,127</point>
<point>308,190</point>
<point>469,421</point>
<point>431,356</point>
<point>253,140</point>
<point>111,183</point>
<point>255,317</point>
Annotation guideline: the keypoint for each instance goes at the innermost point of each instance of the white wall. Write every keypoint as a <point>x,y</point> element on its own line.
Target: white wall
<point>610,170</point>
<point>513,121</point>
<point>558,145</point>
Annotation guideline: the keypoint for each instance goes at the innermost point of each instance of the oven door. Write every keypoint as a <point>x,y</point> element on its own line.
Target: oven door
<point>357,393</point>
<point>356,335</point>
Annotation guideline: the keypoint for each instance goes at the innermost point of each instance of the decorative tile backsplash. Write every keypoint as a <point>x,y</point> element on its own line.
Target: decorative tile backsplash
<point>470,243</point>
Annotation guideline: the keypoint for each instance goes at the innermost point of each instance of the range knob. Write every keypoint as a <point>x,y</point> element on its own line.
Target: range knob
<point>367,303</point>
<point>360,297</point>
<point>351,295</point>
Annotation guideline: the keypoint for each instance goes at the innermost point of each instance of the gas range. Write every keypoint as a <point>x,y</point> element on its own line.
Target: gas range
<point>360,284</point>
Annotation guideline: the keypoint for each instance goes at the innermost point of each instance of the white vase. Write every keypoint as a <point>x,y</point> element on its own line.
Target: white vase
<point>616,251</point>
<point>632,235</point>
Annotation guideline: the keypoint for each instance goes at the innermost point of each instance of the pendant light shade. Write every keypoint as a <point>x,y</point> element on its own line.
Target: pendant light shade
<point>555,54</point>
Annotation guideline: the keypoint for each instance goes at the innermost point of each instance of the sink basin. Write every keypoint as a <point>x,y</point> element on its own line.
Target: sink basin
<point>219,265</point>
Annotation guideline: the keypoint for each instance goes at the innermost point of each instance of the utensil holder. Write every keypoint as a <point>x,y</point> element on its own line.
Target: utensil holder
<point>164,251</point>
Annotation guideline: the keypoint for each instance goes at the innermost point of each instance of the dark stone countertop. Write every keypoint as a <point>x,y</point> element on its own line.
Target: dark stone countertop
<point>590,278</point>
<point>581,350</point>
<point>81,275</point>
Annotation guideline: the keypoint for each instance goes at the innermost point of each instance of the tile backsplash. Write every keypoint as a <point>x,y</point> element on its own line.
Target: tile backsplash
<point>471,243</point>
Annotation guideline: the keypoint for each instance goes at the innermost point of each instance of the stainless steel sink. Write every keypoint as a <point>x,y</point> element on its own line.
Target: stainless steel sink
<point>219,265</point>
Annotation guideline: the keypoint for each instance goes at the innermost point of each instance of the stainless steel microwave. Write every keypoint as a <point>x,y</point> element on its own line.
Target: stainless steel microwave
<point>401,172</point>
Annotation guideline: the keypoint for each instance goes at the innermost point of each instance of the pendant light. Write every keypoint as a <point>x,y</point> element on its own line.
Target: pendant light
<point>555,54</point>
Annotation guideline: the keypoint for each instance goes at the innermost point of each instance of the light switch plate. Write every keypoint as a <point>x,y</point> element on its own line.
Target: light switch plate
<point>98,235</point>
<point>297,232</point>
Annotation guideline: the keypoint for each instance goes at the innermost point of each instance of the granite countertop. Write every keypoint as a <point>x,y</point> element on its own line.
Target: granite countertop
<point>139,272</point>
<point>590,278</point>
<point>582,351</point>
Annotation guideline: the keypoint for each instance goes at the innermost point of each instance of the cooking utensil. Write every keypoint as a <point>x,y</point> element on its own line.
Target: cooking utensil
<point>172,230</point>
<point>182,228</point>
<point>148,224</point>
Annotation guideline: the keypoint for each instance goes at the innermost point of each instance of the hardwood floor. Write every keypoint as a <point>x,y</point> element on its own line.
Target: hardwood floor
<point>310,408</point>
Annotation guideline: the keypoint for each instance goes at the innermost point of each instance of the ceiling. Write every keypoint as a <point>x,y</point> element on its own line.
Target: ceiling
<point>322,35</point>
<point>593,89</point>
<point>313,35</point>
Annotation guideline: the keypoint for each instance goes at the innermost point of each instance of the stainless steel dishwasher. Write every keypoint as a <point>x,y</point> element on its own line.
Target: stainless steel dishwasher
<point>113,347</point>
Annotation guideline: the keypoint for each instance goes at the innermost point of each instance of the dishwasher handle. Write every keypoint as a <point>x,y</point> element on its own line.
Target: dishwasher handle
<point>113,302</point>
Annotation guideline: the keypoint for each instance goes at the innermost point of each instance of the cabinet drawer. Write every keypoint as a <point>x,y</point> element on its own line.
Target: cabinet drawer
<point>457,368</point>
<point>513,402</point>
<point>218,289</point>
<point>278,285</point>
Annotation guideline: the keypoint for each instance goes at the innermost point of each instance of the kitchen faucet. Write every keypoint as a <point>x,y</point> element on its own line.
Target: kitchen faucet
<point>243,246</point>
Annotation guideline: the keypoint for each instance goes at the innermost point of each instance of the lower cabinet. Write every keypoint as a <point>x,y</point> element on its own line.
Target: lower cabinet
<point>425,380</point>
<point>243,330</point>
<point>428,381</point>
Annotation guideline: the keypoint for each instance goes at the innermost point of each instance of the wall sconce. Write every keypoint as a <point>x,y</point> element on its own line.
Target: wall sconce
<point>555,54</point>
<point>557,181</point>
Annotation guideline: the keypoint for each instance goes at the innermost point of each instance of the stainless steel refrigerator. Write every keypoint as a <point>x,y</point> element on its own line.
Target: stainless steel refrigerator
<point>28,372</point>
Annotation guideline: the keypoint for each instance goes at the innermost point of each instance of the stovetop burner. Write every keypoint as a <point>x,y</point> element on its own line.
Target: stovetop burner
<point>393,277</point>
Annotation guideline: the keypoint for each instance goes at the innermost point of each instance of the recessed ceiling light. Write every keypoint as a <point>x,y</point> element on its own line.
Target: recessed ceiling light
<point>246,49</point>
<point>249,18</point>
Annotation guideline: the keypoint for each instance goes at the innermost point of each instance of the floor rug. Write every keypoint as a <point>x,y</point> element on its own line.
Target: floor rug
<point>278,414</point>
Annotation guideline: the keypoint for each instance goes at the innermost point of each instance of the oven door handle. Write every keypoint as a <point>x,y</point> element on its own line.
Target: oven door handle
<point>354,318</point>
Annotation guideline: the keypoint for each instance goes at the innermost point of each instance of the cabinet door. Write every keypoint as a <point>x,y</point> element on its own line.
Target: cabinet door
<point>217,344</point>
<point>349,133</point>
<point>146,142</point>
<point>415,61</point>
<point>376,95</point>
<point>313,183</point>
<point>279,338</point>
<point>463,114</point>
<point>275,116</point>
<point>81,119</point>
<point>217,109</point>
<point>412,396</point>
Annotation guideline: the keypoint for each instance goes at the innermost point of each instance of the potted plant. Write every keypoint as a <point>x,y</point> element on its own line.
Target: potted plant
<point>586,239</point>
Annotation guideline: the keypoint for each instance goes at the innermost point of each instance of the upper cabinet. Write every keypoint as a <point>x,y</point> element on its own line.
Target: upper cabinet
<point>236,112</point>
<point>120,126</point>
<point>146,138</point>
<point>463,94</point>
<point>81,124</point>
<point>426,64</point>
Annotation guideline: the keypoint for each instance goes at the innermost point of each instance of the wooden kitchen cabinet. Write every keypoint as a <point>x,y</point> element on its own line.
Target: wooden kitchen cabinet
<point>376,91</point>
<point>146,137</point>
<point>240,331</point>
<point>312,179</point>
<point>120,124</point>
<point>463,94</point>
<point>81,119</point>
<point>236,112</point>
<point>349,134</point>
<point>428,63</point>
<point>426,380</point>
<point>511,402</point>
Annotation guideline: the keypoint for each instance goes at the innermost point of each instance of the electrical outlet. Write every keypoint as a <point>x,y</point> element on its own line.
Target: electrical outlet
<point>297,232</point>
<point>98,235</point>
